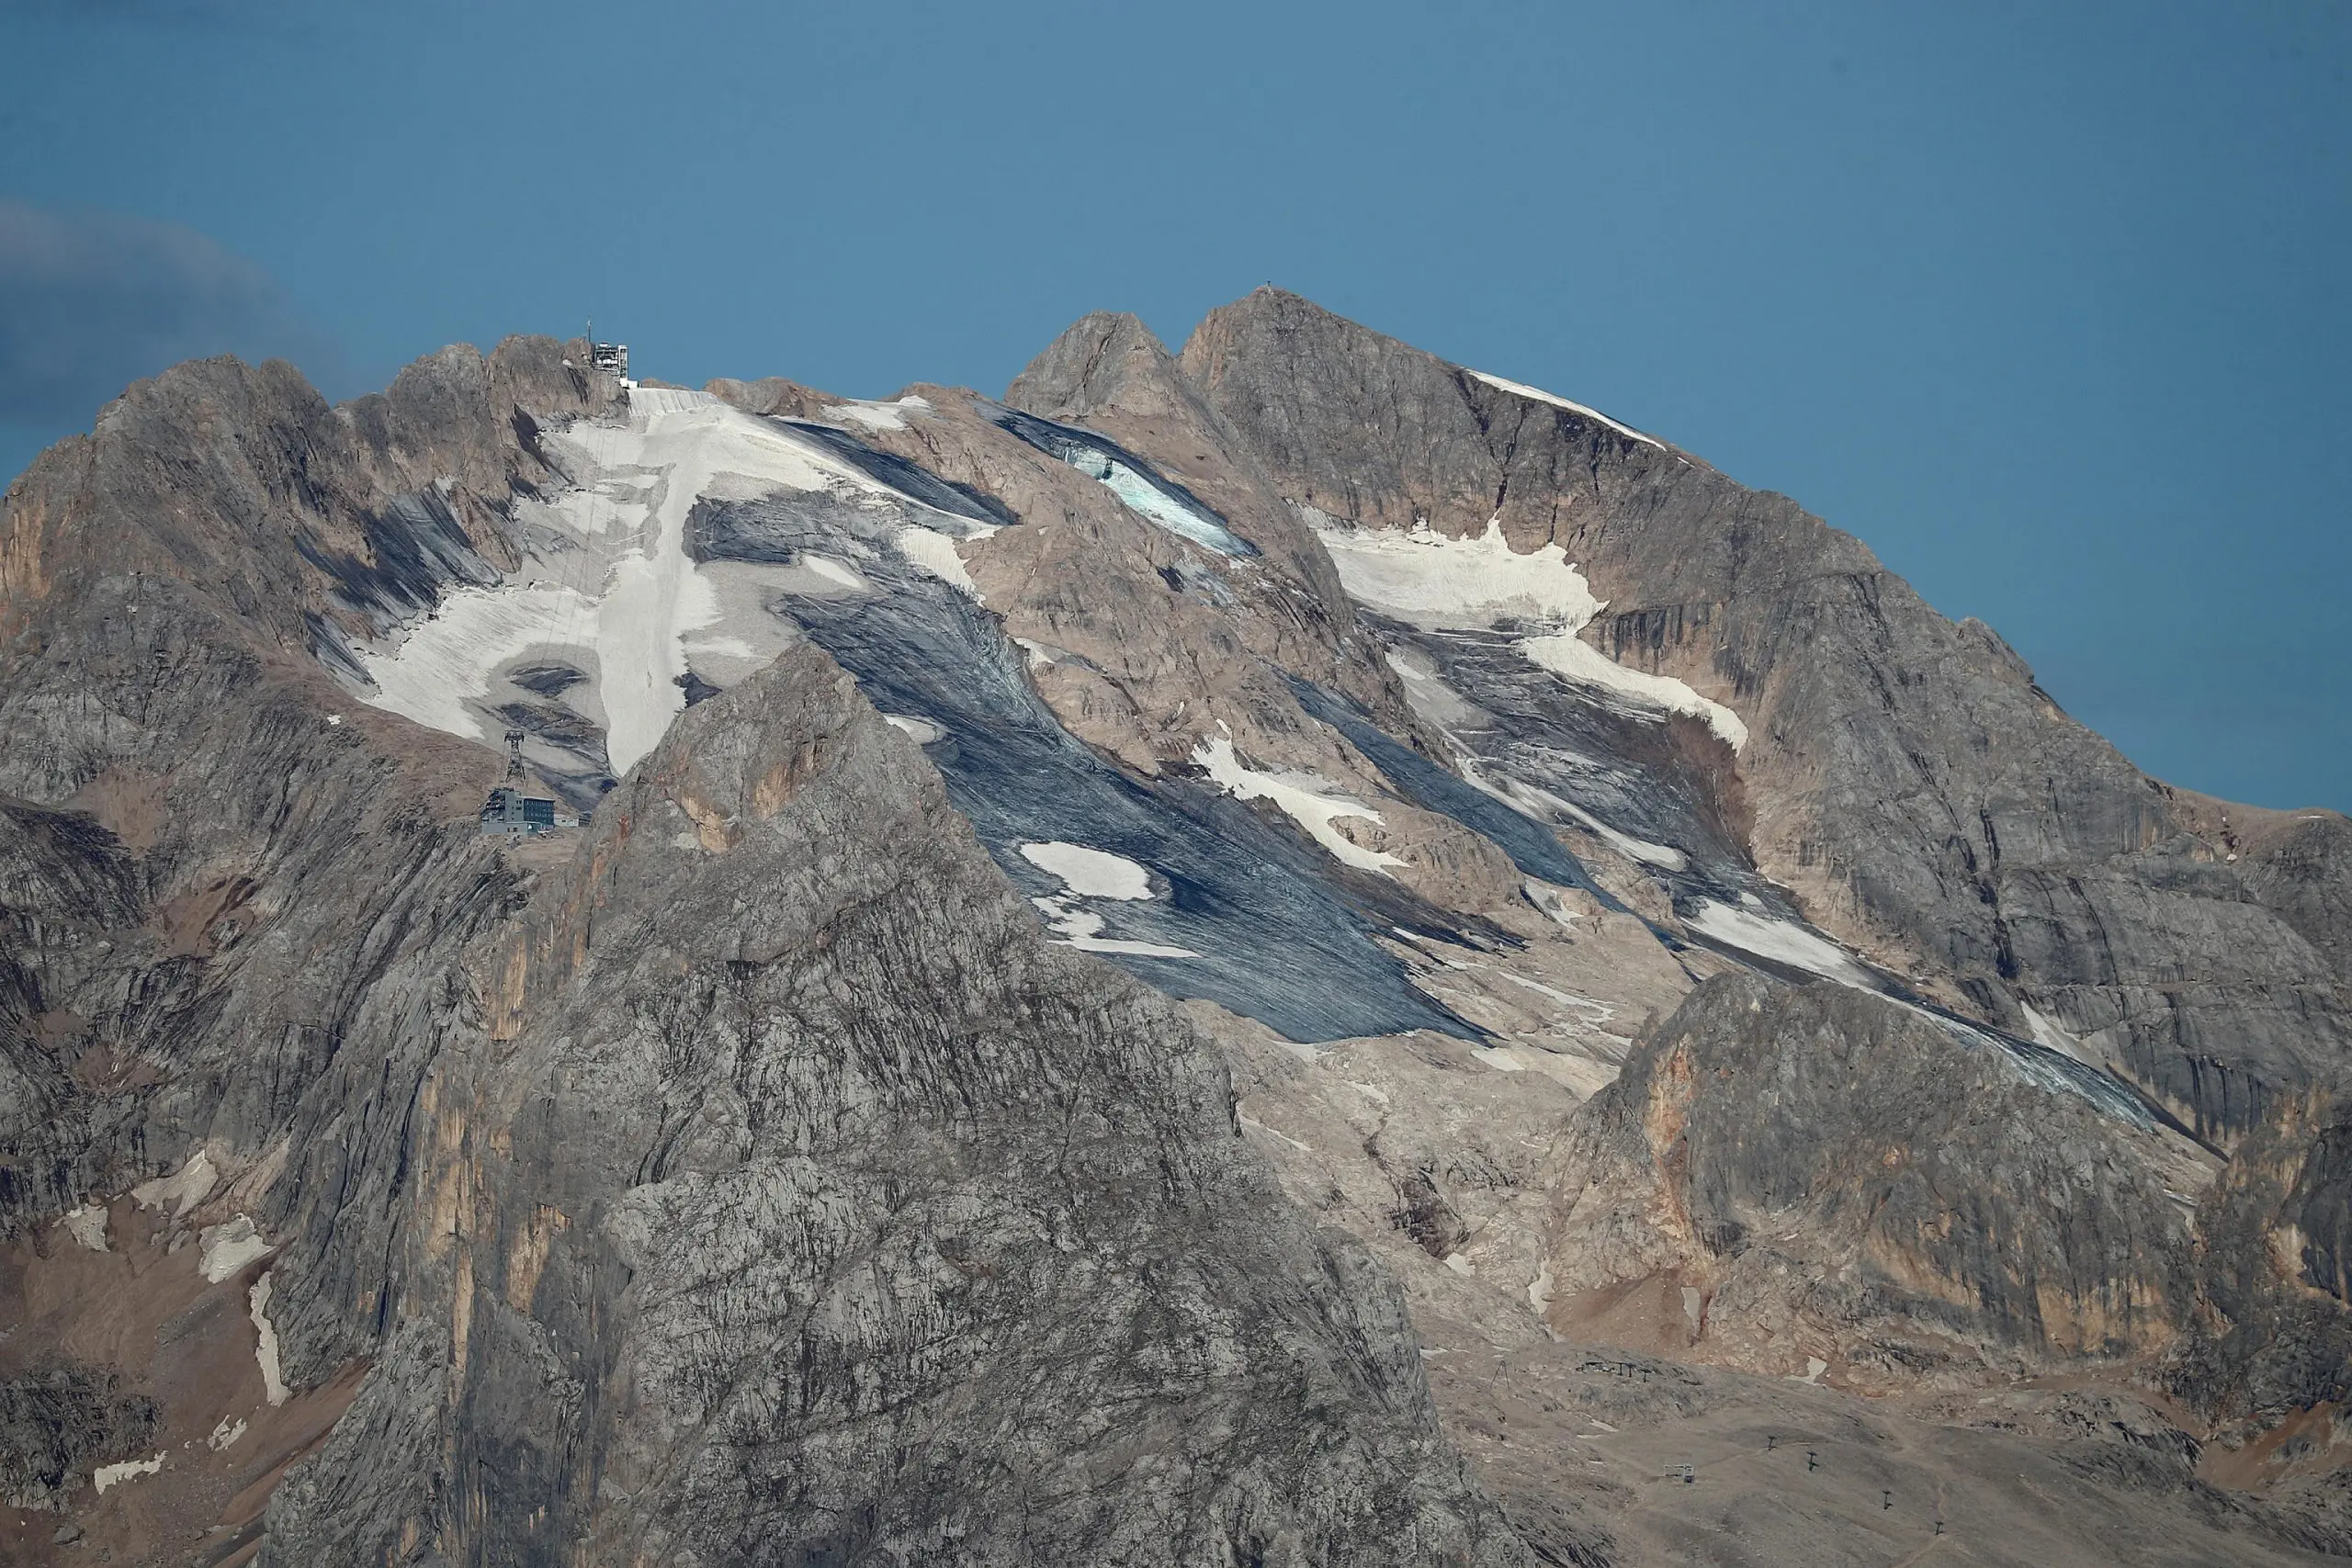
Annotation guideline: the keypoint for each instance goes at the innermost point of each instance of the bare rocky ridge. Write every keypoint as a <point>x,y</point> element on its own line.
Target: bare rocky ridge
<point>1909,783</point>
<point>801,1205</point>
<point>1698,1046</point>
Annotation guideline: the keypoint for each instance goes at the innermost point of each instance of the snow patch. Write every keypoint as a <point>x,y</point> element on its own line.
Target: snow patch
<point>1537,802</point>
<point>225,1434</point>
<point>108,1475</point>
<point>1091,874</point>
<point>86,1226</point>
<point>922,730</point>
<point>2049,1034</point>
<point>885,415</point>
<point>1779,941</point>
<point>181,1191</point>
<point>624,599</point>
<point>1479,582</point>
<point>1550,898</point>
<point>1539,1288</point>
<point>1078,928</point>
<point>1461,1265</point>
<point>832,571</point>
<point>1813,1367</point>
<point>444,664</point>
<point>937,555</point>
<point>1601,1012</point>
<point>1438,583</point>
<point>1131,949</point>
<point>666,400</point>
<point>273,1380</point>
<point>228,1247</point>
<point>1310,810</point>
<point>1569,654</point>
<point>1557,402</point>
<point>1502,1058</point>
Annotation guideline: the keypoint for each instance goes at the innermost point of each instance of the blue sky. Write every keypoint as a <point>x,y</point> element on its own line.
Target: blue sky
<point>2051,305</point>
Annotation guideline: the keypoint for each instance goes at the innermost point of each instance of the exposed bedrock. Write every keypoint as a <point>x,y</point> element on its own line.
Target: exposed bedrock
<point>794,1202</point>
<point>1906,778</point>
<point>1817,1182</point>
<point>1786,1174</point>
<point>750,1177</point>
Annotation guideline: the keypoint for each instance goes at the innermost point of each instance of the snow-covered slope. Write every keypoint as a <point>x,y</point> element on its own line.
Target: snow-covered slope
<point>594,645</point>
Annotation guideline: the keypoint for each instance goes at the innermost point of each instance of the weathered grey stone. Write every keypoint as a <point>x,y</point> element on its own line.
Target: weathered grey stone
<point>800,1204</point>
<point>1905,777</point>
<point>750,1181</point>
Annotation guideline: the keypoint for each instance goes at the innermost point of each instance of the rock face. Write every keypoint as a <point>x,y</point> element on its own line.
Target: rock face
<point>1152,963</point>
<point>1909,783</point>
<point>800,1204</point>
<point>1827,1179</point>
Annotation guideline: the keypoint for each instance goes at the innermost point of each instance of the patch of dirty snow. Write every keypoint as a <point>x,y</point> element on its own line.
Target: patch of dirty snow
<point>1692,1304</point>
<point>1131,949</point>
<point>1570,656</point>
<point>228,1246</point>
<point>1461,1265</point>
<point>1550,898</point>
<point>1779,941</point>
<point>922,730</point>
<point>1436,582</point>
<point>1539,1288</point>
<point>1502,1058</point>
<point>936,554</point>
<point>1480,582</point>
<point>1813,1367</point>
<point>1310,810</point>
<point>876,415</point>
<point>273,1379</point>
<point>1599,1012</point>
<point>1427,693</point>
<point>667,400</point>
<point>1521,390</point>
<point>1370,1092</point>
<point>86,1226</point>
<point>108,1475</point>
<point>835,572</point>
<point>625,597</point>
<point>182,1191</point>
<point>1543,806</point>
<point>2048,1034</point>
<point>1091,874</point>
<point>1078,928</point>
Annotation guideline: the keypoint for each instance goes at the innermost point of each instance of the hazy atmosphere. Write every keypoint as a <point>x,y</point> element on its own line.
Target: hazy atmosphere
<point>2052,313</point>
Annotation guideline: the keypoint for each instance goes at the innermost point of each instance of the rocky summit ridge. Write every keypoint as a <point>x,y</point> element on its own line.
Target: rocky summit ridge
<point>1283,952</point>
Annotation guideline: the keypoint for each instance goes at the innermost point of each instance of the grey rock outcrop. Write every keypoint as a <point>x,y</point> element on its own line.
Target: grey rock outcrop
<point>791,1201</point>
<point>802,1205</point>
<point>1816,1176</point>
<point>58,1420</point>
<point>1908,780</point>
<point>752,1177</point>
